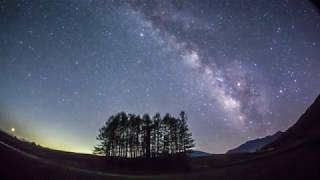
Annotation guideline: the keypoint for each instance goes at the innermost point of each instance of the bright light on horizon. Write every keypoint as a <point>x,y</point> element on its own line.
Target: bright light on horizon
<point>13,129</point>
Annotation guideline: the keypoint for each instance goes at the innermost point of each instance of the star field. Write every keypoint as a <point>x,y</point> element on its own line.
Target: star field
<point>240,69</point>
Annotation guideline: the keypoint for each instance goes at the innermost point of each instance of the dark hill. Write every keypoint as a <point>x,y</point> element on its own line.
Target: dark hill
<point>306,128</point>
<point>255,145</point>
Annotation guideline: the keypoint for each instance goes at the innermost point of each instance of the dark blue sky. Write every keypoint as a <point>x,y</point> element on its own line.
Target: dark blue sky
<point>240,69</point>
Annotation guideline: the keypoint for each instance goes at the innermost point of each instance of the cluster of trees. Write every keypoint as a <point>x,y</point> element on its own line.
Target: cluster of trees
<point>131,136</point>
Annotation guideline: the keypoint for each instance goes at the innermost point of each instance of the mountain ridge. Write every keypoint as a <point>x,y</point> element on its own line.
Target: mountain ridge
<point>307,127</point>
<point>255,145</point>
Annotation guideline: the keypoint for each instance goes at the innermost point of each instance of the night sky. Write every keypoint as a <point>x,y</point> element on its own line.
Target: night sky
<point>240,69</point>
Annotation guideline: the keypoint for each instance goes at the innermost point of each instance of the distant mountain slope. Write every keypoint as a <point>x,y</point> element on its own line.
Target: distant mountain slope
<point>306,128</point>
<point>195,153</point>
<point>254,145</point>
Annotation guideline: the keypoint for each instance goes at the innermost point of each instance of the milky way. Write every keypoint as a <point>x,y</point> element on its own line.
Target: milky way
<point>240,69</point>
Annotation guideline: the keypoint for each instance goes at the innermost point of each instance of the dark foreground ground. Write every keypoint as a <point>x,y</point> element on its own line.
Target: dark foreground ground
<point>21,160</point>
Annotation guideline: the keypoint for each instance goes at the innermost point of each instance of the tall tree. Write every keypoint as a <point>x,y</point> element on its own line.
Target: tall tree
<point>147,134</point>
<point>157,133</point>
<point>185,135</point>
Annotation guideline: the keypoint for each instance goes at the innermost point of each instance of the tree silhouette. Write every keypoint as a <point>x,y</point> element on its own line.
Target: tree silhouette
<point>129,135</point>
<point>185,135</point>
